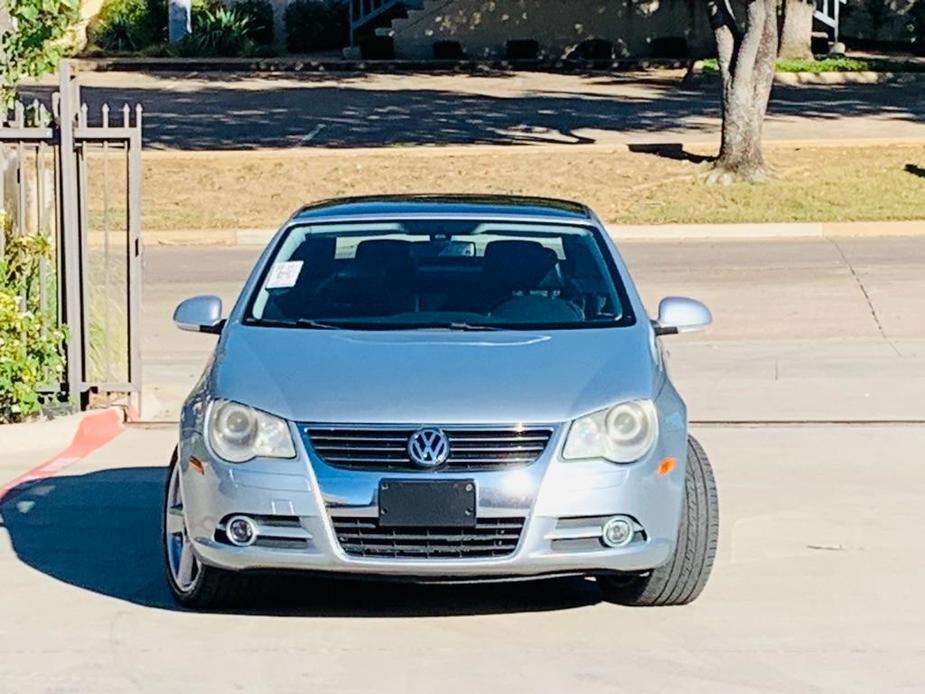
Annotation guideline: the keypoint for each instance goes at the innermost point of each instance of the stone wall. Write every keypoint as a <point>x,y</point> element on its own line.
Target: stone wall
<point>484,26</point>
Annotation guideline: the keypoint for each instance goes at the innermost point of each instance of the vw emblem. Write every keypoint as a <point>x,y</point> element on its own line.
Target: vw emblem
<point>428,447</point>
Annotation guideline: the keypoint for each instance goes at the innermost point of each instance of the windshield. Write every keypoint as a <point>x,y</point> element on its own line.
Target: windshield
<point>457,275</point>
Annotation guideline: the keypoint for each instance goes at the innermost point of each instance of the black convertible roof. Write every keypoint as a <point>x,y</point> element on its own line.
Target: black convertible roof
<point>444,205</point>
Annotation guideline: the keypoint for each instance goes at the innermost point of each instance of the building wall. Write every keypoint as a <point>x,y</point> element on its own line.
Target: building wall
<point>484,26</point>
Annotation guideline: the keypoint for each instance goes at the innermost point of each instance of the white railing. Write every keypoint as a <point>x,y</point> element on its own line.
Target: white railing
<point>829,13</point>
<point>362,12</point>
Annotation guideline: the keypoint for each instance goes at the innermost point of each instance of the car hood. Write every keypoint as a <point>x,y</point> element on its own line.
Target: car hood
<point>439,377</point>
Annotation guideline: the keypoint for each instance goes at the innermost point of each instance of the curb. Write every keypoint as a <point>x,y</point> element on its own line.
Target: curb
<point>342,65</point>
<point>256,238</point>
<point>697,74</point>
<point>793,79</point>
<point>296,64</point>
<point>94,430</point>
<point>787,230</point>
<point>462,150</point>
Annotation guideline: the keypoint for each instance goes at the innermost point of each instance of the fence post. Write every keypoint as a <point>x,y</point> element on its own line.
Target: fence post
<point>70,290</point>
<point>133,260</point>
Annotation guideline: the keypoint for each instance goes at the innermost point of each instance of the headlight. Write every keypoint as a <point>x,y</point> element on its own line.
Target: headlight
<point>238,433</point>
<point>622,434</point>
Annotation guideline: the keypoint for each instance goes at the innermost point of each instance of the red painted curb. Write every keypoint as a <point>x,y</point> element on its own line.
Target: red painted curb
<point>94,431</point>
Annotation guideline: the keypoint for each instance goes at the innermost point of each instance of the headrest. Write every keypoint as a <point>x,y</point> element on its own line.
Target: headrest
<point>316,250</point>
<point>387,252</point>
<point>519,265</point>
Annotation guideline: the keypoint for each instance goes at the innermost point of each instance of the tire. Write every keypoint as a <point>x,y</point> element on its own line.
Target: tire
<point>210,588</point>
<point>682,578</point>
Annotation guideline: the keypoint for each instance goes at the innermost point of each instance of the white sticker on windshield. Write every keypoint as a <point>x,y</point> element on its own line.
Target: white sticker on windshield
<point>284,274</point>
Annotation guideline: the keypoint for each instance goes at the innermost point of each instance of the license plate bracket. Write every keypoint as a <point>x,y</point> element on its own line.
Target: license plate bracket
<point>419,503</point>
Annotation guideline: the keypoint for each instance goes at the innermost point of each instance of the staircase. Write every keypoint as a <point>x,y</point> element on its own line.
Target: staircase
<point>828,13</point>
<point>366,15</point>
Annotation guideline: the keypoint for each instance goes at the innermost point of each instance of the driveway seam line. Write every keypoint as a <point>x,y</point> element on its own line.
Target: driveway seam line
<point>870,303</point>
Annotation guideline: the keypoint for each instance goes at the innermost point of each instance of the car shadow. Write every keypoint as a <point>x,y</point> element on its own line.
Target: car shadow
<point>101,532</point>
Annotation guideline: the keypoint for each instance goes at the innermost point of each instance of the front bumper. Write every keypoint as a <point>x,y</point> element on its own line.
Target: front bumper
<point>563,504</point>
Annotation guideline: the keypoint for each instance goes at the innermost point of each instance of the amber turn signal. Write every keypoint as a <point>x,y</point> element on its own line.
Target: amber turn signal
<point>666,466</point>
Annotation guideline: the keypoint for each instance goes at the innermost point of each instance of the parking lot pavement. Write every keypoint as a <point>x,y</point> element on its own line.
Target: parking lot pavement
<point>815,590</point>
<point>804,329</point>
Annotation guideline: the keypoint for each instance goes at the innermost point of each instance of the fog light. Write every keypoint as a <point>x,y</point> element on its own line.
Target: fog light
<point>617,531</point>
<point>241,531</point>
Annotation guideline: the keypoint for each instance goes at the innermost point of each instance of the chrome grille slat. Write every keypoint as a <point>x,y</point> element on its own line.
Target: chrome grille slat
<point>460,450</point>
<point>489,461</point>
<point>353,439</point>
<point>476,448</point>
<point>490,537</point>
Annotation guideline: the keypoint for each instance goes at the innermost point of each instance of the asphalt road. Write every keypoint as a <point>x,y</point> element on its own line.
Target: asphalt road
<point>242,111</point>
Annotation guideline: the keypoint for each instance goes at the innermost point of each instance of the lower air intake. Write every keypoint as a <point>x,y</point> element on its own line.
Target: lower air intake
<point>490,537</point>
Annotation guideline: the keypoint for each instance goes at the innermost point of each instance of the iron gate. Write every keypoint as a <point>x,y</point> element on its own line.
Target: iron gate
<point>75,178</point>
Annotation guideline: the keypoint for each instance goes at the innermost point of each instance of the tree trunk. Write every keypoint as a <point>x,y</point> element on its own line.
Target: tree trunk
<point>796,33</point>
<point>746,62</point>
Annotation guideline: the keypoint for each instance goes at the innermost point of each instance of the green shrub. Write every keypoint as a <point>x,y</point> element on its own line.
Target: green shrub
<point>31,344</point>
<point>260,14</point>
<point>129,25</point>
<point>218,32</point>
<point>315,25</point>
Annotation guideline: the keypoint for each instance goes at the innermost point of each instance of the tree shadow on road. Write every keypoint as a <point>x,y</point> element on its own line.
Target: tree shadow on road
<point>102,532</point>
<point>674,151</point>
<point>220,114</point>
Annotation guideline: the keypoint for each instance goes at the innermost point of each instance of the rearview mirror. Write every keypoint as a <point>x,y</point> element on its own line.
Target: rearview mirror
<point>677,314</point>
<point>200,314</point>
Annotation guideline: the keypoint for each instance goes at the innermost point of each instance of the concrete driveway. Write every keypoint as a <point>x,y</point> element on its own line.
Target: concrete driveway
<point>815,590</point>
<point>815,587</point>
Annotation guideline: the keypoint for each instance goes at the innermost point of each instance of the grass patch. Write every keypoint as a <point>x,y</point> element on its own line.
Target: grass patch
<point>183,191</point>
<point>820,65</point>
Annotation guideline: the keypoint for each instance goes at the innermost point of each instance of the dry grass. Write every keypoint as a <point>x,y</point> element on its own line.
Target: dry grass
<point>256,190</point>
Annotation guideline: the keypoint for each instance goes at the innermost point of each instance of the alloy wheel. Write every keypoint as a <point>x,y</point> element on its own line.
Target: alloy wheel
<point>183,563</point>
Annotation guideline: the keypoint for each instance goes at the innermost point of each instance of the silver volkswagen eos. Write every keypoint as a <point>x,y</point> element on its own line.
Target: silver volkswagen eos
<point>447,388</point>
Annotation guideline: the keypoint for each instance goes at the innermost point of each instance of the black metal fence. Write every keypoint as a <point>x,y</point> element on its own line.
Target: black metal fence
<point>75,178</point>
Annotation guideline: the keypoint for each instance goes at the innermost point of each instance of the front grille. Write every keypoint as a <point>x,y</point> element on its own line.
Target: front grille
<point>491,537</point>
<point>358,448</point>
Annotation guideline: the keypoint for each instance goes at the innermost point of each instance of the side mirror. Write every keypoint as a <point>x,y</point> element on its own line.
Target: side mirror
<point>677,314</point>
<point>200,314</point>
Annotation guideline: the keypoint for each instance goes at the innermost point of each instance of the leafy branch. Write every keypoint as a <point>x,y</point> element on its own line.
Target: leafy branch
<point>30,33</point>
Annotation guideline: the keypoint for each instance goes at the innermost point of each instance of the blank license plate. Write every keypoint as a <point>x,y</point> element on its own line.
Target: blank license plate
<point>415,503</point>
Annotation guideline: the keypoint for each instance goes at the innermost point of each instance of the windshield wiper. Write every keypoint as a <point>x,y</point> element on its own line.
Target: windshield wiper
<point>466,327</point>
<point>316,325</point>
<point>304,323</point>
